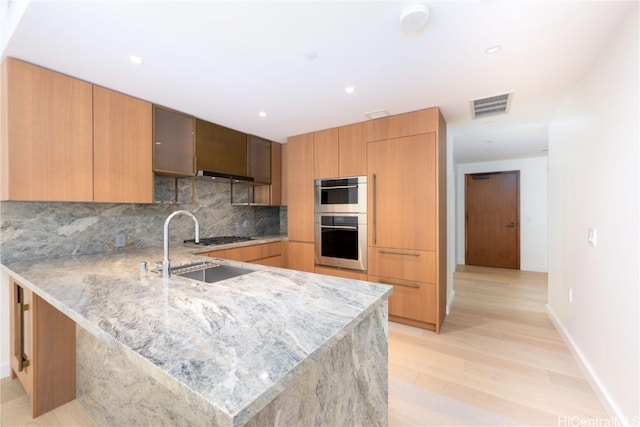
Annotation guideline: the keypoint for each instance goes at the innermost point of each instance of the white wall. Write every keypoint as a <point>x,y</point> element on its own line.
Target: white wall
<point>533,208</point>
<point>451,222</point>
<point>594,182</point>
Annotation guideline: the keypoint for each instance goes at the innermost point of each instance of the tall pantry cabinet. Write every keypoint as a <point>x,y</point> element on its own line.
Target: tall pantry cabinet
<point>404,158</point>
<point>406,172</point>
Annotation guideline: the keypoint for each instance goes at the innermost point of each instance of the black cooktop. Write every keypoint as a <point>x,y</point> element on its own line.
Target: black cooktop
<point>219,240</point>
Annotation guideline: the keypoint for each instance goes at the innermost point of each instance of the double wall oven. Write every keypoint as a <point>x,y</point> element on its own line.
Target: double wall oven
<point>341,222</point>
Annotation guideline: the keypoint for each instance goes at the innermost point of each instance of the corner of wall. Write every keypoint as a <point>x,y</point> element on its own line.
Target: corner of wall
<point>598,387</point>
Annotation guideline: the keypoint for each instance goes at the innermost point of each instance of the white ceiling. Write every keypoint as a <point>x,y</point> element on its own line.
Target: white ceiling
<point>227,61</point>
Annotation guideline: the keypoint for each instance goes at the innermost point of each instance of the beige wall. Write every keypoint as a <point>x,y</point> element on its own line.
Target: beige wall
<point>594,183</point>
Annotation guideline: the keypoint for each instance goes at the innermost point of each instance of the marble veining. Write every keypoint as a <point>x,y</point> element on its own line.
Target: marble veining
<point>237,343</point>
<point>33,230</point>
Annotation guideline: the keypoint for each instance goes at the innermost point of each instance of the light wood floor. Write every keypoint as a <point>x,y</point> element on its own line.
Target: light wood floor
<point>497,361</point>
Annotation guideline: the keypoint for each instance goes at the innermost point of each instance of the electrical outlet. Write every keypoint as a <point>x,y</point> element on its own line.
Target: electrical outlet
<point>121,240</point>
<point>570,295</point>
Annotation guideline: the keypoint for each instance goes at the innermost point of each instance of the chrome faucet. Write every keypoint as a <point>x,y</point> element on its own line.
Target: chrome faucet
<point>166,263</point>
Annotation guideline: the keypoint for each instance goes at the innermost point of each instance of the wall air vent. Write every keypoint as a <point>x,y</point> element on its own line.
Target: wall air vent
<point>498,104</point>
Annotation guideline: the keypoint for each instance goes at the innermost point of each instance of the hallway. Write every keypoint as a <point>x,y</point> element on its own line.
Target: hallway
<point>498,360</point>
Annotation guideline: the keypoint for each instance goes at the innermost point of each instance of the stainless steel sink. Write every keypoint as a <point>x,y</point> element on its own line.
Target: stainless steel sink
<point>208,272</point>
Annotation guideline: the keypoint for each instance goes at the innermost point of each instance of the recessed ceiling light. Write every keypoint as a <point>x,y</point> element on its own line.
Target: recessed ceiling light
<point>492,49</point>
<point>135,59</point>
<point>349,89</point>
<point>262,114</point>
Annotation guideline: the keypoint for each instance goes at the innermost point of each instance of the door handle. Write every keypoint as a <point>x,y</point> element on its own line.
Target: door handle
<point>511,225</point>
<point>21,307</point>
<point>375,212</point>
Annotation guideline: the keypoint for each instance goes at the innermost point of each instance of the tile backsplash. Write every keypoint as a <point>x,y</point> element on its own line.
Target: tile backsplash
<point>31,230</point>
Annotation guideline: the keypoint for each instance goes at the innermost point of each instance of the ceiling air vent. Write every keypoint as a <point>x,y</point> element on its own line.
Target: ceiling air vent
<point>489,106</point>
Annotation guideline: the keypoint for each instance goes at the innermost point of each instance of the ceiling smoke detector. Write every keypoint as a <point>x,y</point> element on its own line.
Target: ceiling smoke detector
<point>483,107</point>
<point>414,16</point>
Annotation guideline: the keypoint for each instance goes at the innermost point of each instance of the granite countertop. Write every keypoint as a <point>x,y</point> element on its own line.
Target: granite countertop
<point>235,343</point>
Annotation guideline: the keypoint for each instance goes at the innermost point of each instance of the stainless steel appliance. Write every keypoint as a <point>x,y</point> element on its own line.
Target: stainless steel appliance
<point>341,195</point>
<point>341,240</point>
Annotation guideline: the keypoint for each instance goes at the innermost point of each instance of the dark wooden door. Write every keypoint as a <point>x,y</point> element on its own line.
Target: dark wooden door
<point>492,214</point>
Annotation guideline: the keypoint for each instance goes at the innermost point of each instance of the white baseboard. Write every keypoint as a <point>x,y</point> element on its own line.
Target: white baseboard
<point>534,268</point>
<point>5,370</point>
<point>600,390</point>
<point>450,301</point>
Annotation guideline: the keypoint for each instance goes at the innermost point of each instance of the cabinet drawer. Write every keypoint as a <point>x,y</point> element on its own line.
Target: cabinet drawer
<point>411,300</point>
<point>271,249</point>
<point>418,266</point>
<point>244,254</point>
<point>415,123</point>
<point>274,261</point>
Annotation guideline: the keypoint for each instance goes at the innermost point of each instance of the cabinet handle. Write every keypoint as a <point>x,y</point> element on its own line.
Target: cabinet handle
<point>399,253</point>
<point>406,285</point>
<point>375,213</point>
<point>23,362</point>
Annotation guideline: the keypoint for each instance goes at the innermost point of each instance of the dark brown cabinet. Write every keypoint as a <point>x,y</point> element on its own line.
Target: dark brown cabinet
<point>220,149</point>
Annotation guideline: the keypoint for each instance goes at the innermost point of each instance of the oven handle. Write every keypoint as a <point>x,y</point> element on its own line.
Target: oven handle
<point>339,187</point>
<point>341,227</point>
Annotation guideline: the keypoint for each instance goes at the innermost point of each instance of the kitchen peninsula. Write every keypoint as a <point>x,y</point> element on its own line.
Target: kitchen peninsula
<point>271,347</point>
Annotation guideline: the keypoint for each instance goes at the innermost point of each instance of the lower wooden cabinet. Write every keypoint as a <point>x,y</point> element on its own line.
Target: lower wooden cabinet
<point>265,254</point>
<point>411,302</point>
<point>299,256</point>
<point>43,350</point>
<point>412,274</point>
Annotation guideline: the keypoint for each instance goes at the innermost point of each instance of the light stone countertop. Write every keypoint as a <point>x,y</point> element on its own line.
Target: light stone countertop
<point>236,343</point>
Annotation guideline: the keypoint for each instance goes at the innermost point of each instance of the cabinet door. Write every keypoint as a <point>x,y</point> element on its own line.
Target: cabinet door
<point>353,150</point>
<point>326,148</point>
<point>276,174</point>
<point>173,137</point>
<point>300,188</point>
<point>220,149</point>
<point>402,193</point>
<point>415,301</point>
<point>122,148</point>
<point>259,159</point>
<point>47,140</point>
<point>414,123</point>
<point>300,256</point>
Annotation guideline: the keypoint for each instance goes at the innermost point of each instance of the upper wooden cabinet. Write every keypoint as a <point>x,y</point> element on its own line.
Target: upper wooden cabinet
<point>271,194</point>
<point>259,159</point>
<point>340,152</point>
<point>47,135</point>
<point>353,150</point>
<point>122,148</point>
<point>402,193</point>
<point>414,123</point>
<point>220,149</point>
<point>300,188</point>
<point>173,137</point>
<point>325,154</point>
<point>65,140</point>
